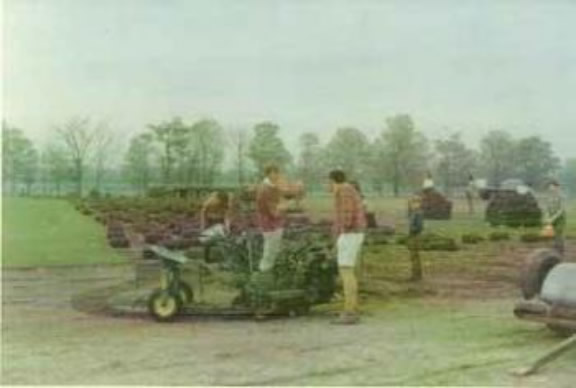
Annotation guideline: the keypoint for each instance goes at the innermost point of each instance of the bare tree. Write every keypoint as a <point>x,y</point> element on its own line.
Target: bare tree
<point>56,166</point>
<point>402,151</point>
<point>498,156</point>
<point>207,144</point>
<point>78,136</point>
<point>103,142</point>
<point>310,165</point>
<point>139,161</point>
<point>171,136</point>
<point>455,162</point>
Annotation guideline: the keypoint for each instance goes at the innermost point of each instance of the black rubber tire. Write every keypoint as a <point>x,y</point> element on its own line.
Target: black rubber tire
<point>185,293</point>
<point>164,306</point>
<point>537,267</point>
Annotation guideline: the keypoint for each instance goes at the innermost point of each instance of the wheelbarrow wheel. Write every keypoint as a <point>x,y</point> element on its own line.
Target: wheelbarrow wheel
<point>164,306</point>
<point>538,265</point>
<point>185,293</point>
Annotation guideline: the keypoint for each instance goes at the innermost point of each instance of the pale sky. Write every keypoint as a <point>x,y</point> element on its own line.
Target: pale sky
<point>458,65</point>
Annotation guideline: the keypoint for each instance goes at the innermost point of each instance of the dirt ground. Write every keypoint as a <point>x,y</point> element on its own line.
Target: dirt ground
<point>55,332</point>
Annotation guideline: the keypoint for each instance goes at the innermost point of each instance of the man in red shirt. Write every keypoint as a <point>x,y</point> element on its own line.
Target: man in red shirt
<point>349,225</point>
<point>270,216</point>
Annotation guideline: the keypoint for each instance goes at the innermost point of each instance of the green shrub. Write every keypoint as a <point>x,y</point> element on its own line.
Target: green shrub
<point>376,239</point>
<point>471,238</point>
<point>402,240</point>
<point>435,242</point>
<point>532,237</point>
<point>431,242</point>
<point>499,236</point>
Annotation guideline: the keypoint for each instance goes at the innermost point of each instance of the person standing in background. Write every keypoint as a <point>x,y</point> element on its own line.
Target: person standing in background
<point>415,229</point>
<point>428,183</point>
<point>555,214</point>
<point>349,225</point>
<point>471,193</point>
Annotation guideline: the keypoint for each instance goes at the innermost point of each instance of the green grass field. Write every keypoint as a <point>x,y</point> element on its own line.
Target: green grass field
<point>47,232</point>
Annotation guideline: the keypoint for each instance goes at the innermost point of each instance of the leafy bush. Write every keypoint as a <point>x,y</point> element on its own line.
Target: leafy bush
<point>434,242</point>
<point>532,237</point>
<point>376,239</point>
<point>471,238</point>
<point>402,240</point>
<point>499,236</point>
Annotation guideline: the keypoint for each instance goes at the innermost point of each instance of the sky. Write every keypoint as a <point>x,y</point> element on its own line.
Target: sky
<point>466,66</point>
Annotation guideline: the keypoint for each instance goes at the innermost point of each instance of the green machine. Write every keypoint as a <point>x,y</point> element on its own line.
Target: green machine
<point>303,276</point>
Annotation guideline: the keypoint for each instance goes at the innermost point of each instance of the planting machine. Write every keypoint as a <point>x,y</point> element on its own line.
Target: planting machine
<point>302,277</point>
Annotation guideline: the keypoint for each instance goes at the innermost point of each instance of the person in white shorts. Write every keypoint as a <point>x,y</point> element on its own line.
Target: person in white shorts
<point>349,225</point>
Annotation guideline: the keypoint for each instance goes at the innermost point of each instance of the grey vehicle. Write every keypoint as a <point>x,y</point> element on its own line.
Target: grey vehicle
<point>549,290</point>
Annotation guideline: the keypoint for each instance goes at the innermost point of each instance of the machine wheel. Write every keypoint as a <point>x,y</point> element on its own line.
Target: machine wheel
<point>561,330</point>
<point>185,293</point>
<point>164,306</point>
<point>537,268</point>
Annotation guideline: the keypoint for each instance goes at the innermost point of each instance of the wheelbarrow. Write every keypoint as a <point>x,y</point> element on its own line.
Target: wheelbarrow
<point>549,291</point>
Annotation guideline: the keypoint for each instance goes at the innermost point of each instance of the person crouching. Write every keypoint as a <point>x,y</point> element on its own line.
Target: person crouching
<point>349,225</point>
<point>215,221</point>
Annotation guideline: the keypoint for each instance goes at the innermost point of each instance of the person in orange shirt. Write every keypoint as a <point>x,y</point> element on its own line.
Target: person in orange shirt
<point>348,228</point>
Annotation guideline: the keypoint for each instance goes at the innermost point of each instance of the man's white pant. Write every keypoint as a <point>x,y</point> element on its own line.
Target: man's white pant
<point>349,246</point>
<point>272,247</point>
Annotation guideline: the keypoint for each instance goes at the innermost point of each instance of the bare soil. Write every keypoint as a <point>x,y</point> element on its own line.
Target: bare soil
<point>57,329</point>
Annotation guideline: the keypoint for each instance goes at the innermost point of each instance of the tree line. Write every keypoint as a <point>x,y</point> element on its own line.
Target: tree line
<point>80,157</point>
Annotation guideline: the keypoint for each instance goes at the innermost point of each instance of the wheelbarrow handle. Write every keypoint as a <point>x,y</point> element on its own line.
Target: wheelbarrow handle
<point>551,355</point>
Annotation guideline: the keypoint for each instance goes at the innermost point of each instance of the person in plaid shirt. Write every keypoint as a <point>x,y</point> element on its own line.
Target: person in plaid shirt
<point>349,224</point>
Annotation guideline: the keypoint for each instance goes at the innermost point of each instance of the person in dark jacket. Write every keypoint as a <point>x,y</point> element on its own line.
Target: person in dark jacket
<point>415,229</point>
<point>471,193</point>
